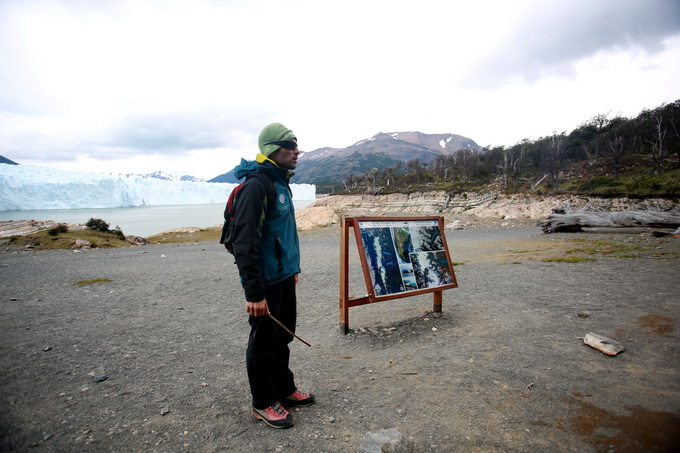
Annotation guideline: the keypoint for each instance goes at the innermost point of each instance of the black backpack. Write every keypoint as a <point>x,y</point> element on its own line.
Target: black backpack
<point>227,237</point>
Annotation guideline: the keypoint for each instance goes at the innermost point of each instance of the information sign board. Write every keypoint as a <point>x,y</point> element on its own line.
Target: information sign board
<point>400,257</point>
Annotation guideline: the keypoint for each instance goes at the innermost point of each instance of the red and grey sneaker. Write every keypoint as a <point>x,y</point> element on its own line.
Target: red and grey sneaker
<point>275,416</point>
<point>298,399</point>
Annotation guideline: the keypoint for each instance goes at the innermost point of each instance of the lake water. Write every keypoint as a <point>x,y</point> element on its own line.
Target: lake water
<point>138,221</point>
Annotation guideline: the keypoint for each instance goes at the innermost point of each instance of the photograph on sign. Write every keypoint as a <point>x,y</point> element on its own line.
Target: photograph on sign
<point>405,255</point>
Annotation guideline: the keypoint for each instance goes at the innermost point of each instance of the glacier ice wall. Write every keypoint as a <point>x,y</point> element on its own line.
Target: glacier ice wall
<point>24,187</point>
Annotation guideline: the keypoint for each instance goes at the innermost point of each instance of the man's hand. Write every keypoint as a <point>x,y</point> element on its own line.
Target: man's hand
<point>257,308</point>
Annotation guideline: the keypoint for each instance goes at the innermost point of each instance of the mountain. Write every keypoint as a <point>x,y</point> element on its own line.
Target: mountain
<point>333,165</point>
<point>168,177</point>
<point>4,160</point>
<point>446,143</point>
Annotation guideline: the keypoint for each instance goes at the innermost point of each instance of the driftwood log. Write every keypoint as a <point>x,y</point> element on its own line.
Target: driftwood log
<point>572,222</point>
<point>602,343</point>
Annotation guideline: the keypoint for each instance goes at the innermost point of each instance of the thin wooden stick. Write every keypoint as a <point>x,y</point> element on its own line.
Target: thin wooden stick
<point>287,330</point>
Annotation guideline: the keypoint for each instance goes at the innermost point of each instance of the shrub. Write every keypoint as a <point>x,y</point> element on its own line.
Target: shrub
<point>97,224</point>
<point>60,228</point>
<point>118,232</point>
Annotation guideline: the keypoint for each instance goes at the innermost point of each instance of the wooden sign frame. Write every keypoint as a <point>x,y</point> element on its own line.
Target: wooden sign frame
<point>425,269</point>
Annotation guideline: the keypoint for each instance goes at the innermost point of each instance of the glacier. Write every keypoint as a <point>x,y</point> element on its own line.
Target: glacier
<point>28,187</point>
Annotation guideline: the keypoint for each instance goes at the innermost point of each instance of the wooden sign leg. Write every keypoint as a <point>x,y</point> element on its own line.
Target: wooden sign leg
<point>344,277</point>
<point>437,307</point>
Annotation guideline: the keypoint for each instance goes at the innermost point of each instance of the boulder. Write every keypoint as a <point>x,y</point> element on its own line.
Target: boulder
<point>136,240</point>
<point>81,244</point>
<point>455,225</point>
<point>385,441</point>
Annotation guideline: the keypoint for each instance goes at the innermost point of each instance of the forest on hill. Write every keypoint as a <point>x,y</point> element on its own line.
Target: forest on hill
<point>606,156</point>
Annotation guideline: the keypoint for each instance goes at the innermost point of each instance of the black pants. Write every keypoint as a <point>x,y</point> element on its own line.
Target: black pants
<point>268,355</point>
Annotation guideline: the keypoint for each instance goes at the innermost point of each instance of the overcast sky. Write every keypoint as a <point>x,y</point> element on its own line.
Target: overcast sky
<point>186,86</point>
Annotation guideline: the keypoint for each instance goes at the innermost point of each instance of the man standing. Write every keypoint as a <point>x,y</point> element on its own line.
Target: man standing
<point>267,253</point>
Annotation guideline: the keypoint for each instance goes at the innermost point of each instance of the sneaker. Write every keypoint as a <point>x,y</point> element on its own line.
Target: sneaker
<point>275,416</point>
<point>299,399</point>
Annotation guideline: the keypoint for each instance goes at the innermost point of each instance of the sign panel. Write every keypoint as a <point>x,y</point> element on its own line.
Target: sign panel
<point>400,257</point>
<point>404,255</point>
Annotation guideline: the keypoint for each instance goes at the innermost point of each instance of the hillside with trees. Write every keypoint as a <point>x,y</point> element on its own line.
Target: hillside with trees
<point>606,156</point>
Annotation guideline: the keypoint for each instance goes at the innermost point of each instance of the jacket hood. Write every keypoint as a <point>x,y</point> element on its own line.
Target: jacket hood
<point>244,168</point>
<point>262,164</point>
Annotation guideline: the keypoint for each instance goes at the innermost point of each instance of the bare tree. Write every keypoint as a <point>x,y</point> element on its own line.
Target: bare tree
<point>615,152</point>
<point>508,168</point>
<point>674,119</point>
<point>415,167</point>
<point>658,152</point>
<point>350,182</point>
<point>467,163</point>
<point>555,158</point>
<point>371,179</point>
<point>439,168</point>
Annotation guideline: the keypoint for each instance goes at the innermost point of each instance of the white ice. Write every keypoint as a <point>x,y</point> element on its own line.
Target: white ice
<point>24,187</point>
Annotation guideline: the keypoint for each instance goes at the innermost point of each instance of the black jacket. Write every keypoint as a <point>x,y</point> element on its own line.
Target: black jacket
<point>266,244</point>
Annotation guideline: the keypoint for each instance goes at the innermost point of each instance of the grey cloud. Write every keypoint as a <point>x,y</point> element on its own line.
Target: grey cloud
<point>180,133</point>
<point>552,35</point>
<point>142,134</point>
<point>165,132</point>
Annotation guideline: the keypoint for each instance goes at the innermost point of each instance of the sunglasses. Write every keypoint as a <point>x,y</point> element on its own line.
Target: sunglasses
<point>287,144</point>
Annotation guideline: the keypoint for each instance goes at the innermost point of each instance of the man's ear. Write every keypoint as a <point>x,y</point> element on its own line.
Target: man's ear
<point>274,156</point>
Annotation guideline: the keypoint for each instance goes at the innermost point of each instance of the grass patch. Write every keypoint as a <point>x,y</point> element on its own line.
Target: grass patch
<point>48,240</point>
<point>63,238</point>
<point>633,247</point>
<point>99,281</point>
<point>568,259</point>
<point>620,246</point>
<point>200,235</point>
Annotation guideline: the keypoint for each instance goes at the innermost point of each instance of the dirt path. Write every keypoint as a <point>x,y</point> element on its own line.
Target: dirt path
<point>504,368</point>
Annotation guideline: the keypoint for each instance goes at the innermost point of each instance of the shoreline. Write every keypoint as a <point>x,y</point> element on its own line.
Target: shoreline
<point>474,210</point>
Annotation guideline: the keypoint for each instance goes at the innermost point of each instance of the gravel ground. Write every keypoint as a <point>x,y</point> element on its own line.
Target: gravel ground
<point>503,369</point>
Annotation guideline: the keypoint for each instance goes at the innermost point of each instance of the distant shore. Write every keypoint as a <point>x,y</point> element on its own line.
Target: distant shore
<point>470,212</point>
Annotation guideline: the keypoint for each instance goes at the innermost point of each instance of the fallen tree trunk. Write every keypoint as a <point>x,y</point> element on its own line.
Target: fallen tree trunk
<point>573,222</point>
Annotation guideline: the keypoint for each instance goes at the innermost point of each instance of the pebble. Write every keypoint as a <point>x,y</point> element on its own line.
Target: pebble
<point>100,378</point>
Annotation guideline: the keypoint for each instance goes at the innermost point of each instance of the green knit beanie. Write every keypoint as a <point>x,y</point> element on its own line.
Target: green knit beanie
<point>273,133</point>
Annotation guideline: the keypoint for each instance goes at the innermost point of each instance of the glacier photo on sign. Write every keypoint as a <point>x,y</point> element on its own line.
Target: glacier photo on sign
<point>382,260</point>
<point>431,269</point>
